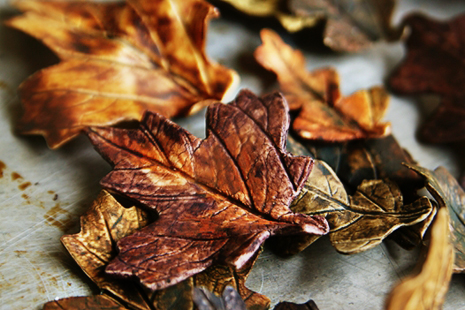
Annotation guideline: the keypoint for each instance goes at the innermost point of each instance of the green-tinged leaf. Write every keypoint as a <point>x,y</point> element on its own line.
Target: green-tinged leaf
<point>448,193</point>
<point>427,289</point>
<point>358,222</point>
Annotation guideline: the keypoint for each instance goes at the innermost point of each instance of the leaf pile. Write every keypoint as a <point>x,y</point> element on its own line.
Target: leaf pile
<point>349,25</point>
<point>118,59</point>
<point>205,206</point>
<point>107,222</point>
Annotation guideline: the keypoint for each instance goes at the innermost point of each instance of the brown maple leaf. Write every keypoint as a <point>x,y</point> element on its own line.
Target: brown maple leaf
<point>324,113</point>
<point>105,223</point>
<point>435,64</point>
<point>118,59</point>
<point>218,199</point>
<point>350,25</point>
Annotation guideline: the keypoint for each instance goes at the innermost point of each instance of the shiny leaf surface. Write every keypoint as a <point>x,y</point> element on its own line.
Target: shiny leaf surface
<point>94,246</point>
<point>358,222</point>
<point>118,59</point>
<point>324,113</point>
<point>218,199</point>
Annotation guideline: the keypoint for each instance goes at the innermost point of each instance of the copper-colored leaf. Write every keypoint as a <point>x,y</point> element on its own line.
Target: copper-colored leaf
<point>94,246</point>
<point>358,222</point>
<point>428,288</point>
<point>350,25</point>
<point>309,305</point>
<point>118,59</point>
<point>435,64</point>
<point>99,302</point>
<point>218,199</point>
<point>324,113</point>
<point>448,194</point>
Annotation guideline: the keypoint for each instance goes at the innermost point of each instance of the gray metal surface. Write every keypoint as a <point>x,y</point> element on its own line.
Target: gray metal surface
<point>43,192</point>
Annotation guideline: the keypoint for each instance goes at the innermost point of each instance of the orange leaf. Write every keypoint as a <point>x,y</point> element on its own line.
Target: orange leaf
<point>117,61</point>
<point>324,113</point>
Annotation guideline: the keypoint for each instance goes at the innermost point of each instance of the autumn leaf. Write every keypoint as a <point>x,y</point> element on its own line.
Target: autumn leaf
<point>358,222</point>
<point>105,223</point>
<point>370,159</point>
<point>350,25</point>
<point>217,199</point>
<point>448,194</point>
<point>435,64</point>
<point>99,302</point>
<point>428,288</point>
<point>118,59</point>
<point>324,113</point>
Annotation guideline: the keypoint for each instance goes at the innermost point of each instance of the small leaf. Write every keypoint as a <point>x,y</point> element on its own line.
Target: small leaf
<point>218,199</point>
<point>358,222</point>
<point>448,194</point>
<point>435,64</point>
<point>428,289</point>
<point>118,59</point>
<point>324,113</point>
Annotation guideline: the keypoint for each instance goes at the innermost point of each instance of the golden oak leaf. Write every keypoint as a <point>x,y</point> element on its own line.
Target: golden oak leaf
<point>118,59</point>
<point>107,222</point>
<point>349,25</point>
<point>218,199</point>
<point>448,194</point>
<point>428,288</point>
<point>357,222</point>
<point>324,113</point>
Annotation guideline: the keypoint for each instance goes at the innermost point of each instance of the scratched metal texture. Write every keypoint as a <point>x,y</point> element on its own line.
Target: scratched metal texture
<point>43,192</point>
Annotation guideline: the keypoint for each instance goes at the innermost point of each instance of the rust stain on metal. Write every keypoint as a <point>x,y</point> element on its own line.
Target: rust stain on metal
<point>2,166</point>
<point>15,176</point>
<point>54,213</point>
<point>26,197</point>
<point>24,185</point>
